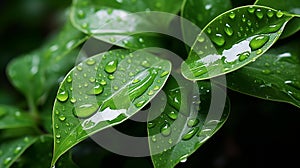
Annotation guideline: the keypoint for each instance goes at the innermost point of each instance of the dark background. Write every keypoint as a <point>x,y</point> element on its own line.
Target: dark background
<point>257,134</point>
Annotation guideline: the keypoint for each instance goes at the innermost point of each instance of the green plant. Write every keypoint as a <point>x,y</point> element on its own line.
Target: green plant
<point>248,44</point>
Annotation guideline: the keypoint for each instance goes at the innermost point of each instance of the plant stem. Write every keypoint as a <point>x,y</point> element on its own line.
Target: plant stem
<point>32,108</point>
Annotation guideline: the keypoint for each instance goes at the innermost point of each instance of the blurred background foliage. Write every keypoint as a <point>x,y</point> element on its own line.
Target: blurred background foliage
<point>257,134</point>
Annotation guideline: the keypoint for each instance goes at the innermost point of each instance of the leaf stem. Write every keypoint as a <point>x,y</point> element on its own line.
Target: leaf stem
<point>32,108</point>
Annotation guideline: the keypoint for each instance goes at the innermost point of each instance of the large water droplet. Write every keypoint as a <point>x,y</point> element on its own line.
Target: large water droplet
<point>258,42</point>
<point>243,56</point>
<point>172,114</point>
<point>259,14</point>
<point>111,66</point>
<point>86,110</point>
<point>228,30</point>
<point>165,129</point>
<point>192,122</point>
<point>218,39</point>
<point>96,90</point>
<point>190,134</point>
<point>62,95</point>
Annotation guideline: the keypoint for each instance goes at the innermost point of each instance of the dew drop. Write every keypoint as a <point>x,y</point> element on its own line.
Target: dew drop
<point>111,66</point>
<point>243,56</point>
<point>151,124</point>
<point>69,79</point>
<point>62,118</point>
<point>111,77</point>
<point>279,14</point>
<point>249,23</point>
<point>57,136</point>
<point>79,67</point>
<point>259,14</point>
<point>112,39</point>
<point>56,126</point>
<point>96,90</point>
<point>208,30</point>
<point>190,134</point>
<point>183,158</point>
<point>103,82</point>
<point>7,160</point>
<point>192,122</point>
<point>218,39</point>
<point>266,71</point>
<point>150,93</point>
<point>251,10</point>
<point>140,103</point>
<point>153,138</point>
<point>201,39</point>
<point>170,141</point>
<point>62,95</point>
<point>17,149</point>
<point>85,110</point>
<point>165,129</point>
<point>90,62</point>
<point>80,14</point>
<point>116,87</point>
<point>274,28</point>
<point>243,18</point>
<point>228,30</point>
<point>156,88</point>
<point>258,42</point>
<point>270,13</point>
<point>231,15</point>
<point>164,74</point>
<point>172,114</point>
<point>84,25</point>
<point>259,51</point>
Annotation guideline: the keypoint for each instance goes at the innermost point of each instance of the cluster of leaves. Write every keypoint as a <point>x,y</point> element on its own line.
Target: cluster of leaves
<point>108,88</point>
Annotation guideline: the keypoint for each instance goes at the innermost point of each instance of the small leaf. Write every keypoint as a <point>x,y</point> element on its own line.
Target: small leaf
<point>119,23</point>
<point>232,40</point>
<point>274,76</point>
<point>35,73</point>
<point>103,91</point>
<point>39,155</point>
<point>11,150</point>
<point>291,6</point>
<point>11,117</point>
<point>181,129</point>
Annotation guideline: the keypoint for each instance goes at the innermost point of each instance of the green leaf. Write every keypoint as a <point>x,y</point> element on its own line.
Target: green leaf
<point>291,6</point>
<point>232,40</point>
<point>11,150</point>
<point>117,22</point>
<point>186,122</point>
<point>35,73</point>
<point>11,117</point>
<point>274,76</point>
<point>103,91</point>
<point>39,155</point>
<point>201,12</point>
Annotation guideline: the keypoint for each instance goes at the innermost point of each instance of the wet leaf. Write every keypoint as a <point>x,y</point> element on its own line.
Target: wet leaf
<point>11,150</point>
<point>233,40</point>
<point>35,73</point>
<point>103,91</point>
<point>124,22</point>
<point>186,122</point>
<point>273,76</point>
<point>291,6</point>
<point>11,117</point>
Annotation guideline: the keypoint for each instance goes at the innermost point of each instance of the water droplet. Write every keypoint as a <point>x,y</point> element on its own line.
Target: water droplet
<point>279,14</point>
<point>201,39</point>
<point>150,93</point>
<point>57,136</point>
<point>243,56</point>
<point>258,42</point>
<point>111,66</point>
<point>251,9</point>
<point>140,103</point>
<point>156,87</point>
<point>164,73</point>
<point>165,129</point>
<point>172,114</point>
<point>7,160</point>
<point>116,87</point>
<point>145,64</point>
<point>84,25</point>
<point>86,110</point>
<point>208,30</point>
<point>141,40</point>
<point>153,138</point>
<point>243,18</point>
<point>62,95</point>
<point>170,141</point>
<point>295,84</point>
<point>274,28</point>
<point>112,39</point>
<point>17,150</point>
<point>228,30</point>
<point>103,82</point>
<point>62,118</point>
<point>270,13</point>
<point>56,126</point>
<point>192,122</point>
<point>190,134</point>
<point>218,39</point>
<point>80,14</point>
<point>111,77</point>
<point>90,62</point>
<point>69,79</point>
<point>57,141</point>
<point>231,15</point>
<point>266,71</point>
<point>259,14</point>
<point>183,158</point>
<point>259,51</point>
<point>151,124</point>
<point>96,90</point>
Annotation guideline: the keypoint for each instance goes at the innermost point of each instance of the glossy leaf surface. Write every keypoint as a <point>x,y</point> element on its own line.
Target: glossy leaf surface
<point>11,117</point>
<point>103,91</point>
<point>274,76</point>
<point>11,150</point>
<point>115,22</point>
<point>291,6</point>
<point>186,122</point>
<point>35,73</point>
<point>233,40</point>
